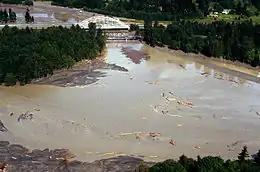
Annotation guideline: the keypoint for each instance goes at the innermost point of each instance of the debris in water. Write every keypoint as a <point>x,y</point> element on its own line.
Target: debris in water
<point>131,133</point>
<point>173,115</point>
<point>224,118</point>
<point>156,83</point>
<point>37,109</point>
<point>2,127</point>
<point>182,66</point>
<point>153,134</point>
<point>257,113</point>
<point>197,147</point>
<point>179,125</point>
<point>171,93</point>
<point>200,82</point>
<point>233,145</point>
<point>172,142</point>
<point>25,116</point>
<point>153,156</point>
<point>171,99</point>
<point>197,116</point>
<point>190,104</point>
<point>205,73</point>
<point>114,154</point>
<point>164,112</point>
<point>137,137</point>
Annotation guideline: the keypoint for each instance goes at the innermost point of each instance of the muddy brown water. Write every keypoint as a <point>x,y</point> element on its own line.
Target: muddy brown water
<point>89,120</point>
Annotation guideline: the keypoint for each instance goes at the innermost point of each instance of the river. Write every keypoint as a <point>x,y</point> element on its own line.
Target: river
<point>94,121</point>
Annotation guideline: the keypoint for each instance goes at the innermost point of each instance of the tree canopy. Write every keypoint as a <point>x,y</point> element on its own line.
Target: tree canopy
<point>6,17</point>
<point>163,9</point>
<point>231,41</point>
<point>205,164</point>
<point>25,2</point>
<point>26,54</point>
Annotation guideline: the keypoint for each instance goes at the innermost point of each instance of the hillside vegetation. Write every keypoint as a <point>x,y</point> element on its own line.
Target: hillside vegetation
<point>207,164</point>
<point>27,54</point>
<point>232,41</point>
<point>164,9</point>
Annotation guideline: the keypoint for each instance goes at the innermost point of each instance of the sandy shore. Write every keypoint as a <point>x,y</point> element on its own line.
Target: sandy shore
<point>236,69</point>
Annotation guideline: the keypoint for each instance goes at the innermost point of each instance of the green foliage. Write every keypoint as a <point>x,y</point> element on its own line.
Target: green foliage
<point>26,54</point>
<point>28,2</point>
<point>232,41</point>
<point>243,155</point>
<point>257,158</point>
<point>166,10</point>
<point>142,168</point>
<point>10,79</point>
<point>206,164</point>
<point>168,166</point>
<point>6,17</point>
<point>12,1</point>
<point>28,17</point>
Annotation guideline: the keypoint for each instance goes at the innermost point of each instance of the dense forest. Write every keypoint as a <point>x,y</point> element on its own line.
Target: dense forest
<point>6,17</point>
<point>232,41</point>
<point>26,54</point>
<point>24,2</point>
<point>207,164</point>
<point>163,9</point>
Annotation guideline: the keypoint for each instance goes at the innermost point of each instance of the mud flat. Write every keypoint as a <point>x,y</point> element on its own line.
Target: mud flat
<point>17,158</point>
<point>236,69</point>
<point>83,73</point>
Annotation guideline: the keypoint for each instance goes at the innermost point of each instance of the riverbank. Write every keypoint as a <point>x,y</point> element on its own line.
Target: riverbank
<point>236,68</point>
<point>18,158</point>
<point>83,73</point>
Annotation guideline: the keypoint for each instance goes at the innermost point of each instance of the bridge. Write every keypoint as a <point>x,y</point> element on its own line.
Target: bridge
<point>113,27</point>
<point>105,23</point>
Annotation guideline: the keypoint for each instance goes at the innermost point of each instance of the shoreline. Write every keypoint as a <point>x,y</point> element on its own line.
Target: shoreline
<point>214,63</point>
<point>19,158</point>
<point>82,73</point>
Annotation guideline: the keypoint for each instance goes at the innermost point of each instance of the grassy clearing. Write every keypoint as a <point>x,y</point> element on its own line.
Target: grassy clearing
<point>208,19</point>
<point>141,21</point>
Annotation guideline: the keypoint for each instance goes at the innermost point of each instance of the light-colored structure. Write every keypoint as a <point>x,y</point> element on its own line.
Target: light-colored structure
<point>105,23</point>
<point>226,11</point>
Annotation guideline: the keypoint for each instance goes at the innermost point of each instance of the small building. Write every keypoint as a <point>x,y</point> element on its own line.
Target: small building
<point>226,11</point>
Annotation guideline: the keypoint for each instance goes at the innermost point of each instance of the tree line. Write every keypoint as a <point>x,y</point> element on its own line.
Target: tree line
<point>27,54</point>
<point>6,17</point>
<point>232,41</point>
<point>24,2</point>
<point>207,164</point>
<point>163,9</point>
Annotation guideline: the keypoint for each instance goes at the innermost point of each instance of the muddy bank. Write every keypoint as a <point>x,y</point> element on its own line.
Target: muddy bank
<point>83,73</point>
<point>225,66</point>
<point>135,55</point>
<point>17,158</point>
